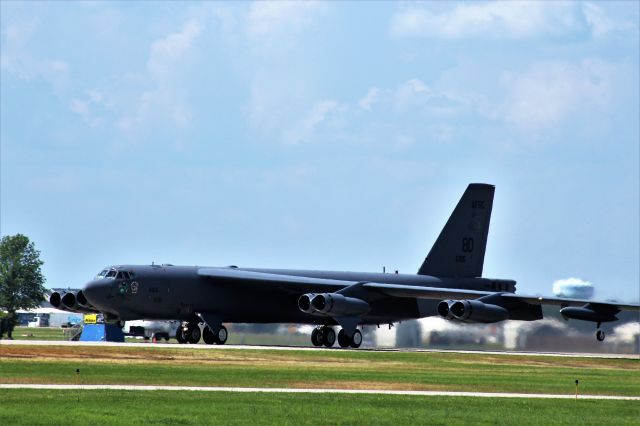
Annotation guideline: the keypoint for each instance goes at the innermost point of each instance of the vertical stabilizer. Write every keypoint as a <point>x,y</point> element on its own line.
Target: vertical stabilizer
<point>459,249</point>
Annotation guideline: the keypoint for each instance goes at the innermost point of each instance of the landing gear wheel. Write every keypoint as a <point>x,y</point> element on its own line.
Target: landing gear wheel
<point>180,335</point>
<point>328,336</point>
<point>193,333</point>
<point>600,335</point>
<point>356,340</point>
<point>343,339</point>
<point>316,338</point>
<point>221,337</point>
<point>208,336</point>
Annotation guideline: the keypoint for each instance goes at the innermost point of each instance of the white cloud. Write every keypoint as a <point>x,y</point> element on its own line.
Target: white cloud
<point>81,108</point>
<point>16,59</point>
<point>167,52</point>
<point>20,33</point>
<point>504,19</point>
<point>369,99</point>
<point>280,81</point>
<point>272,18</point>
<point>411,92</point>
<point>167,58</point>
<point>412,111</point>
<point>320,114</point>
<point>129,102</point>
<point>418,97</point>
<point>550,92</point>
<point>542,97</point>
<point>602,25</point>
<point>86,107</point>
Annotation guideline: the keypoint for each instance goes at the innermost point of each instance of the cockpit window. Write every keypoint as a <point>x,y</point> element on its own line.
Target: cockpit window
<point>102,273</point>
<point>111,273</point>
<point>125,275</point>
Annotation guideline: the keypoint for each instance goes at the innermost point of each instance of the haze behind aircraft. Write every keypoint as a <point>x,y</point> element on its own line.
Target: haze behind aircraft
<point>449,283</point>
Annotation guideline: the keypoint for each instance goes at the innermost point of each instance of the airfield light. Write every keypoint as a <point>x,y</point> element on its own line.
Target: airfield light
<point>577,383</point>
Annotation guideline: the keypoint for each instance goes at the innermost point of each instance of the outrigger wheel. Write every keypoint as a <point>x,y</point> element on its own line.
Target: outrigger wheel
<point>599,333</point>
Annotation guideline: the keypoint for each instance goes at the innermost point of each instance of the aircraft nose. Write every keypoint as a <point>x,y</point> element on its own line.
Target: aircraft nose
<point>97,292</point>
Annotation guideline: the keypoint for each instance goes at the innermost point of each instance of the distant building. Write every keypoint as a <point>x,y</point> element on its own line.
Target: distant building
<point>47,317</point>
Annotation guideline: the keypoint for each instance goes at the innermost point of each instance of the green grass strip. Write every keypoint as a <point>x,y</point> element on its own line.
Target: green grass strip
<point>319,369</point>
<point>45,407</point>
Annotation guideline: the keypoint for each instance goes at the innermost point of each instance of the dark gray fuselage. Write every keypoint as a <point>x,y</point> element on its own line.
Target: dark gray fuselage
<point>178,292</point>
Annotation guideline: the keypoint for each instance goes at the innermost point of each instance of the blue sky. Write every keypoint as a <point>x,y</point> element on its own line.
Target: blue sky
<point>322,135</point>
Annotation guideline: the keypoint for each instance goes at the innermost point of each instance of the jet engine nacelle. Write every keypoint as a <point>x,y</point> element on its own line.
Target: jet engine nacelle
<point>69,301</point>
<point>55,299</point>
<point>444,309</point>
<point>333,304</point>
<point>474,311</point>
<point>304,303</point>
<point>82,301</point>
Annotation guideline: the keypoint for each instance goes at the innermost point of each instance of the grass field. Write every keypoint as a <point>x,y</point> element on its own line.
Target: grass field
<point>165,407</point>
<point>318,369</point>
<point>38,333</point>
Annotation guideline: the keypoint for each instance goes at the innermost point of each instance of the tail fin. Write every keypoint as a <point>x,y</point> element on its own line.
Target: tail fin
<point>459,249</point>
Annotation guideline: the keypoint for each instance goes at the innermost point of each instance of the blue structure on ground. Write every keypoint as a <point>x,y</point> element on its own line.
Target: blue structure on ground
<point>101,333</point>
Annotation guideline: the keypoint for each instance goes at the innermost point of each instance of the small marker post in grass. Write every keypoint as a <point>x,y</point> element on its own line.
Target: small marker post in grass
<point>577,383</point>
<point>78,382</point>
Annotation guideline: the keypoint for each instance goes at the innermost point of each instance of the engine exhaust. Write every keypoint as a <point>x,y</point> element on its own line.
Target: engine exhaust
<point>82,301</point>
<point>69,301</point>
<point>304,303</point>
<point>319,302</point>
<point>444,309</point>
<point>55,299</point>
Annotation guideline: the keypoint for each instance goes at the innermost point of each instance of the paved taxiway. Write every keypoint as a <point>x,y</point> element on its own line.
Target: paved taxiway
<point>307,348</point>
<point>296,390</point>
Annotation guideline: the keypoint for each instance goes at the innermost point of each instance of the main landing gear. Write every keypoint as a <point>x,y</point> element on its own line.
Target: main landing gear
<point>189,332</point>
<point>325,335</point>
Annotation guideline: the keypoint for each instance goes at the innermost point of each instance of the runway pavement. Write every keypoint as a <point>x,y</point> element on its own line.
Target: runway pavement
<point>296,390</point>
<point>308,348</point>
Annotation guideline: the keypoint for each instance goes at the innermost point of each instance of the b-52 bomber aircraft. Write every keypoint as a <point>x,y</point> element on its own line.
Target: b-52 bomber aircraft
<point>449,284</point>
